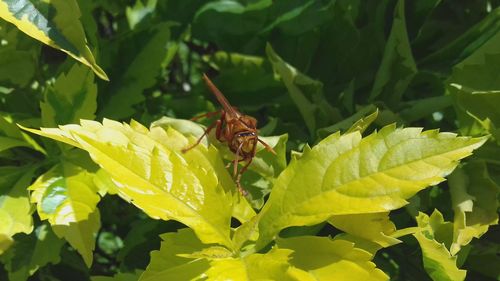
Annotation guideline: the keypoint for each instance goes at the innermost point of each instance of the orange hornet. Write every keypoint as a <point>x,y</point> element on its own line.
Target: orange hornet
<point>235,128</point>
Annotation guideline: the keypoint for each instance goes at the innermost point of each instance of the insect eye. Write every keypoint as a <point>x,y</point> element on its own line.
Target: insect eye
<point>246,134</point>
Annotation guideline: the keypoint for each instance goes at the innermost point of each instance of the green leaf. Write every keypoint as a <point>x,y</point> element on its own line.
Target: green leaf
<point>149,170</point>
<point>375,227</point>
<point>423,108</point>
<point>18,67</point>
<point>466,44</point>
<point>139,12</point>
<point>12,136</point>
<point>136,67</point>
<point>306,93</point>
<point>334,259</point>
<point>72,97</point>
<point>81,235</point>
<point>438,262</point>
<point>474,198</point>
<point>55,24</point>
<point>398,66</point>
<point>32,252</point>
<point>246,81</point>
<point>357,122</point>
<point>15,207</point>
<point>65,194</point>
<point>166,264</point>
<point>377,173</point>
<point>229,23</point>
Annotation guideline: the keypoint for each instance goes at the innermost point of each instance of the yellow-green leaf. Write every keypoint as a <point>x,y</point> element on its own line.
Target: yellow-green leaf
<point>331,259</point>
<point>65,194</point>
<point>474,198</point>
<point>81,235</point>
<point>55,23</point>
<point>272,265</point>
<point>72,97</point>
<point>349,174</point>
<point>375,227</point>
<point>150,170</point>
<point>15,207</point>
<point>438,262</point>
<point>166,264</point>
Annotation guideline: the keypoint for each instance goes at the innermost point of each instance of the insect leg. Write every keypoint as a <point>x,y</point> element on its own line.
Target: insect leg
<point>268,148</point>
<point>207,131</point>
<point>238,178</point>
<point>206,115</point>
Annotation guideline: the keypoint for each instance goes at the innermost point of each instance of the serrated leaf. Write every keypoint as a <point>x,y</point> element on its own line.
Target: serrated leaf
<point>31,253</point>
<point>81,235</point>
<point>272,265</point>
<point>72,97</point>
<point>474,198</point>
<point>334,259</point>
<point>139,12</point>
<point>15,207</point>
<point>149,169</point>
<point>138,67</point>
<point>241,208</point>
<point>357,122</point>
<point>377,173</point>
<point>166,264</point>
<point>375,227</point>
<point>55,24</point>
<point>65,194</point>
<point>438,262</point>
<point>398,66</point>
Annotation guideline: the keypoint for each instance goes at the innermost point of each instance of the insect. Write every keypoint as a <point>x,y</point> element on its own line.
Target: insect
<point>239,131</point>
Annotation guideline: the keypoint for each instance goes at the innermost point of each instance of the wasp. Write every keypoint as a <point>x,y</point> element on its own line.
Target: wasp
<point>238,130</point>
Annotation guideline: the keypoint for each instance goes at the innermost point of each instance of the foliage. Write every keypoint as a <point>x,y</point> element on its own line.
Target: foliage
<point>357,190</point>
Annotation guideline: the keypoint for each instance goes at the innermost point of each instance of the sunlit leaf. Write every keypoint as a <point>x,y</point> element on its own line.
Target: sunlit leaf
<point>334,259</point>
<point>149,169</point>
<point>272,265</point>
<point>357,122</point>
<point>374,174</point>
<point>15,207</point>
<point>438,262</point>
<point>65,194</point>
<point>474,197</point>
<point>165,262</point>
<point>375,227</point>
<point>81,235</point>
<point>55,23</point>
